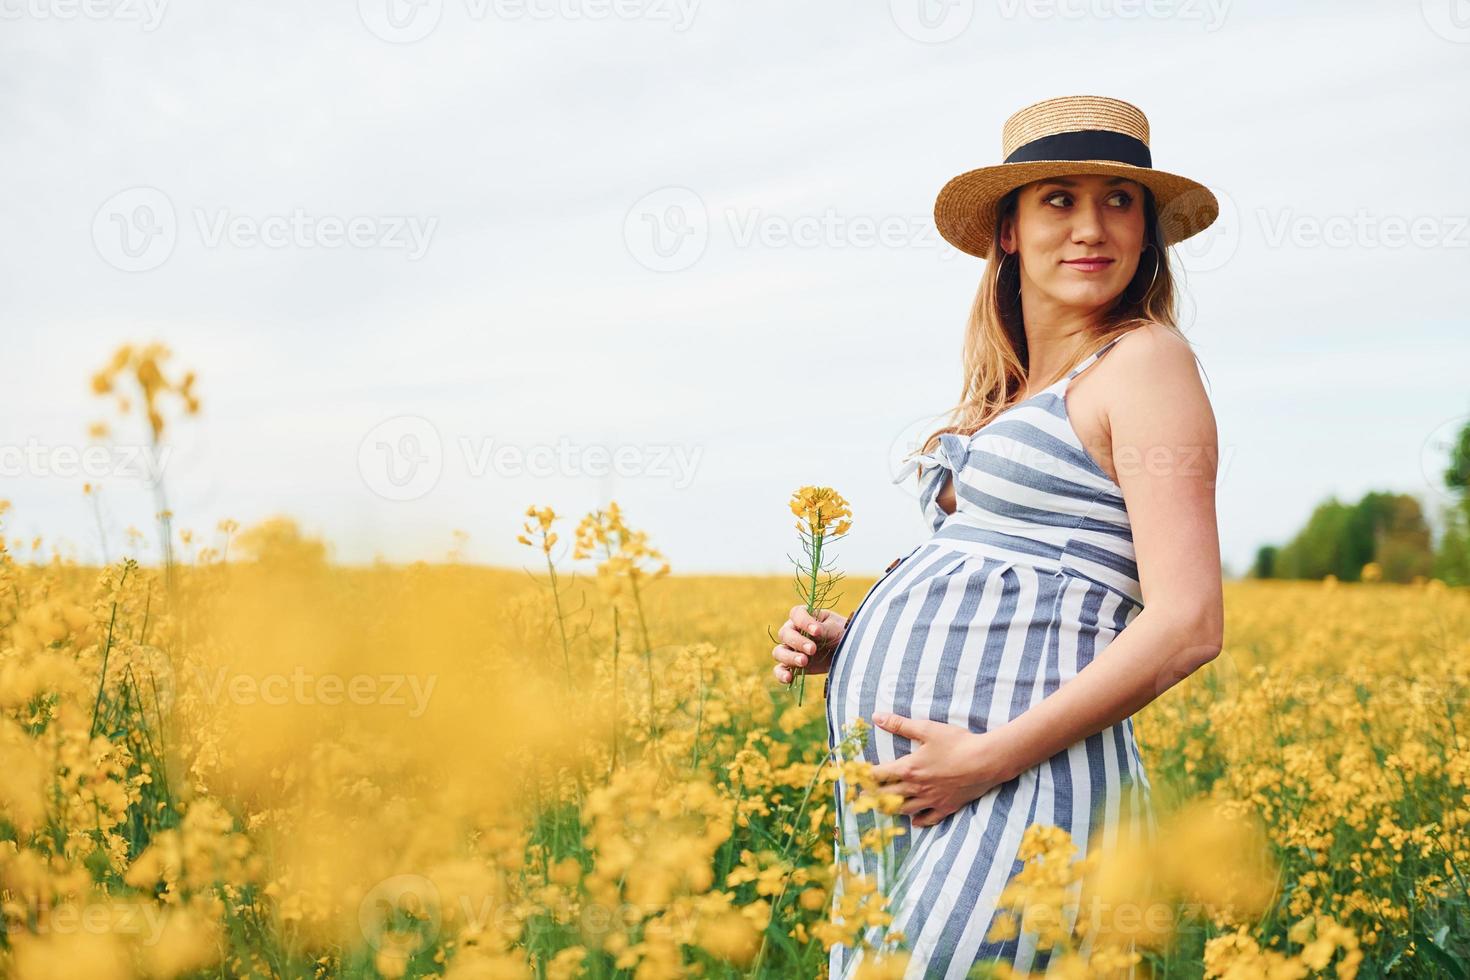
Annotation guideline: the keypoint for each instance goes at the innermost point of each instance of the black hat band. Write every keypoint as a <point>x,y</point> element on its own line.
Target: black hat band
<point>1085,144</point>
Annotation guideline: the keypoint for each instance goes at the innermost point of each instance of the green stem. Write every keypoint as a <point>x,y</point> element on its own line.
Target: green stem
<point>166,522</point>
<point>107,649</point>
<point>785,850</point>
<point>617,638</point>
<point>566,653</point>
<point>810,602</point>
<point>698,718</point>
<point>647,658</point>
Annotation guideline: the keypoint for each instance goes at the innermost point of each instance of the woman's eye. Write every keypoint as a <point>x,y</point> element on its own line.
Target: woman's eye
<point>1120,198</point>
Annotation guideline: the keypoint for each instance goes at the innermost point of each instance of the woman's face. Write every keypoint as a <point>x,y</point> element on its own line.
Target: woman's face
<point>1062,219</point>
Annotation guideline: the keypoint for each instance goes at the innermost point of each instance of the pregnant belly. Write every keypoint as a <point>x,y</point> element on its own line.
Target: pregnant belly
<point>974,646</point>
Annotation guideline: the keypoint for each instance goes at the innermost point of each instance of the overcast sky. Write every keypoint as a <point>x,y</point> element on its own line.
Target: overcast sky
<point>433,263</point>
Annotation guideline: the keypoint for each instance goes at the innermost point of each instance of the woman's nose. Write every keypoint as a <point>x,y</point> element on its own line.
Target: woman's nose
<point>1087,224</point>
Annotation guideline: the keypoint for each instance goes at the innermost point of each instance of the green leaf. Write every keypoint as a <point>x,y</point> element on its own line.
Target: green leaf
<point>1440,957</point>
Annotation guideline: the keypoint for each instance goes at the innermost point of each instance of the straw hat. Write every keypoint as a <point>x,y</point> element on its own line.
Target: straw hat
<point>1073,134</point>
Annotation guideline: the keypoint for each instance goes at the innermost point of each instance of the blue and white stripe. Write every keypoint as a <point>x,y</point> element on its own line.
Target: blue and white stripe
<point>1011,596</point>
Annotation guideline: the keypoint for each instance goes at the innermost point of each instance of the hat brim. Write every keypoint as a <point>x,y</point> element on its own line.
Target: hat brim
<point>964,211</point>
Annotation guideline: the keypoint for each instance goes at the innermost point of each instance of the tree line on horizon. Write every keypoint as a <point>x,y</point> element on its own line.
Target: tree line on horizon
<point>1385,536</point>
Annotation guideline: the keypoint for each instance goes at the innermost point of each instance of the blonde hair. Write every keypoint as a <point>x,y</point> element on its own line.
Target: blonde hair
<point>995,356</point>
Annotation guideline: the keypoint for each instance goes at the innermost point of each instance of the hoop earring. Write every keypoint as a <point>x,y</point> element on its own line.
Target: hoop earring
<point>1158,258</point>
<point>1000,271</point>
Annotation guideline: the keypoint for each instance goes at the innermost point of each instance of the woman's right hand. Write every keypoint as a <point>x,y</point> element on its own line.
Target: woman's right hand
<point>807,641</point>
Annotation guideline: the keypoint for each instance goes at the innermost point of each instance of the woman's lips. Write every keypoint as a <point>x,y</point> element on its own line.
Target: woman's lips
<point>1089,265</point>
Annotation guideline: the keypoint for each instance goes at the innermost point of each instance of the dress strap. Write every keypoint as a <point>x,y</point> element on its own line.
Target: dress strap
<point>1087,361</point>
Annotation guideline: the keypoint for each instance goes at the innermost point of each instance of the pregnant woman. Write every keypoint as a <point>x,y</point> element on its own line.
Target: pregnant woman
<point>1073,570</point>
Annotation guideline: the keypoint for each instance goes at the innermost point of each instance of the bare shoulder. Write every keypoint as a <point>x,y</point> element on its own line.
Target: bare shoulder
<point>1152,351</point>
<point>1152,368</point>
<point>1145,391</point>
<point>1154,399</point>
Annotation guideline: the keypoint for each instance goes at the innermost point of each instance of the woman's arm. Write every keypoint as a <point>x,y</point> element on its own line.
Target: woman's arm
<point>1165,453</point>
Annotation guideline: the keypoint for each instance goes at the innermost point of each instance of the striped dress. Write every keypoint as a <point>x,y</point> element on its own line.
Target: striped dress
<point>1013,594</point>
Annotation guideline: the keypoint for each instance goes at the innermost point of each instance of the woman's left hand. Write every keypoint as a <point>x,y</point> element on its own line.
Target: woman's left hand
<point>949,767</point>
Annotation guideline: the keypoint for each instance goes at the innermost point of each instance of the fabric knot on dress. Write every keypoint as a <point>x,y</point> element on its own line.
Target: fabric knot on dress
<point>950,454</point>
